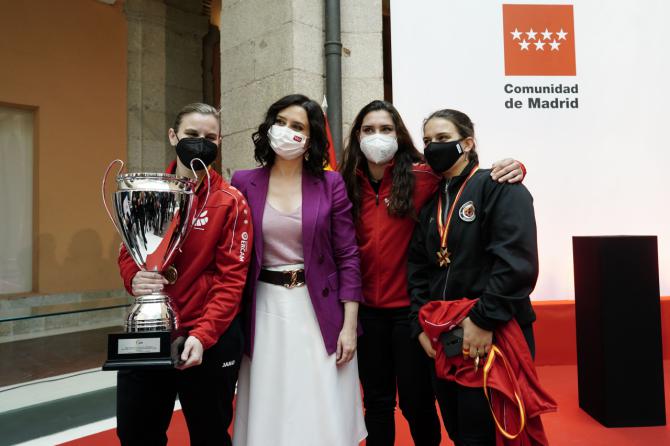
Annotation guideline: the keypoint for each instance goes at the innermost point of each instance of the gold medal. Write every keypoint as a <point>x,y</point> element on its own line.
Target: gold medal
<point>171,274</point>
<point>443,257</point>
<point>443,228</point>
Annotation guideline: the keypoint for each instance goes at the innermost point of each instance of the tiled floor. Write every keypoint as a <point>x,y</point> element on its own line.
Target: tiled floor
<point>53,355</point>
<point>57,355</point>
<point>570,426</point>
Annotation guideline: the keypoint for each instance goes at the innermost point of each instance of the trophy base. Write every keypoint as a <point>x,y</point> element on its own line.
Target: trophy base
<point>142,350</point>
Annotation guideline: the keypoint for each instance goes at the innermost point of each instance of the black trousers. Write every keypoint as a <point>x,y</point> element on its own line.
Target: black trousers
<point>389,361</point>
<point>145,398</point>
<point>465,410</point>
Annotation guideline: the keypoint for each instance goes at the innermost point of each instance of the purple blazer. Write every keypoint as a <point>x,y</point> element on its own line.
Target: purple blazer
<point>332,263</point>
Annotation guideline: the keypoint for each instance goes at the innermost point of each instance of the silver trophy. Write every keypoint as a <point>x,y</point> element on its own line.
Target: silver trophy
<point>153,213</point>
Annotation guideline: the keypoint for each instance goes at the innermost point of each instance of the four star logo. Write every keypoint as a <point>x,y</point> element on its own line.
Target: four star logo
<point>539,40</point>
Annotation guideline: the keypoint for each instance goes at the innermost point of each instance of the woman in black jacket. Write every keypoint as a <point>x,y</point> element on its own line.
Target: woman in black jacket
<point>476,239</point>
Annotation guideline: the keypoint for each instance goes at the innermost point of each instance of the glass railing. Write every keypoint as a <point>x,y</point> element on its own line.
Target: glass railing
<point>98,304</point>
<point>42,336</point>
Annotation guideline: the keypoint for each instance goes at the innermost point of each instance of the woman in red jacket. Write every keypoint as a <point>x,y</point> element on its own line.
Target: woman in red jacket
<point>211,272</point>
<point>388,184</point>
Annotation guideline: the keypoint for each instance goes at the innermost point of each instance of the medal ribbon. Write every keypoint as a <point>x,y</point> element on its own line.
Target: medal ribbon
<point>443,229</point>
<point>495,351</point>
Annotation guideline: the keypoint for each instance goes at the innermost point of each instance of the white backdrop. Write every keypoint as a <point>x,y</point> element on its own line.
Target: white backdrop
<point>600,169</point>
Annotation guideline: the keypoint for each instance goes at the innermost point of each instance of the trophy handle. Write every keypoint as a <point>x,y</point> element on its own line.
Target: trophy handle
<point>104,188</point>
<point>209,185</point>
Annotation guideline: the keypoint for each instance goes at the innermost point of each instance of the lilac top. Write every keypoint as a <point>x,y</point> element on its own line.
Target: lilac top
<point>332,262</point>
<point>282,237</point>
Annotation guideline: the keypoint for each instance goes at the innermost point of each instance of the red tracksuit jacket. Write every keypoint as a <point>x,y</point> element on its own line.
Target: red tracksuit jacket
<point>510,373</point>
<point>212,263</point>
<point>383,239</point>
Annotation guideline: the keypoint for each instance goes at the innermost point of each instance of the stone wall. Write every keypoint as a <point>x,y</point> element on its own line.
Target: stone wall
<point>164,73</point>
<point>271,49</point>
<point>362,61</point>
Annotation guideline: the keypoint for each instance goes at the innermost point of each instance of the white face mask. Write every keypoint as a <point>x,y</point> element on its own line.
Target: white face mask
<point>379,148</point>
<point>287,144</point>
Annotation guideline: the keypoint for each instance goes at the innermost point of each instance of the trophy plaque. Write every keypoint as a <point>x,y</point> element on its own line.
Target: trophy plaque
<point>152,213</point>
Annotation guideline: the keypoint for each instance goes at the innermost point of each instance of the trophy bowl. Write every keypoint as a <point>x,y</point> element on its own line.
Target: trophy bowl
<point>152,213</point>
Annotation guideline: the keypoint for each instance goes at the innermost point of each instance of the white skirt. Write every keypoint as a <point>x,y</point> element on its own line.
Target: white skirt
<point>292,392</point>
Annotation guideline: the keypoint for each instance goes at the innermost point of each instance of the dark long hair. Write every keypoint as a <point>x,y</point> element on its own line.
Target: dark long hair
<point>401,202</point>
<point>317,142</point>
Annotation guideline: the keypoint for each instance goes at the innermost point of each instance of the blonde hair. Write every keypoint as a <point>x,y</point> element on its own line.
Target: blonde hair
<point>197,107</point>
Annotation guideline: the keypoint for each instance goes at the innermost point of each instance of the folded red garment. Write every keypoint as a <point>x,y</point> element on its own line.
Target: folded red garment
<point>508,375</point>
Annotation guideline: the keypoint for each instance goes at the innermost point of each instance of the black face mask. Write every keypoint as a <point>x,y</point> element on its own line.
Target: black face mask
<point>191,148</point>
<point>440,156</point>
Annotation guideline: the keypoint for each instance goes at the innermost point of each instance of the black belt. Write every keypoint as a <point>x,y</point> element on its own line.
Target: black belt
<point>289,279</point>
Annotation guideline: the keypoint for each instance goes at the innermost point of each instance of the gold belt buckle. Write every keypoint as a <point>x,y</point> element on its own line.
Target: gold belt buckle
<point>294,282</point>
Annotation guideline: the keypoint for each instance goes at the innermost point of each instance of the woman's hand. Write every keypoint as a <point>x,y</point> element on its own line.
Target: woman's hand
<point>507,170</point>
<point>147,282</point>
<point>346,341</point>
<point>476,341</point>
<point>346,345</point>
<point>427,346</point>
<point>192,354</point>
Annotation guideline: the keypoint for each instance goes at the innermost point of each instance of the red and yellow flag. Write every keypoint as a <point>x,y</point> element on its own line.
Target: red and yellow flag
<point>331,159</point>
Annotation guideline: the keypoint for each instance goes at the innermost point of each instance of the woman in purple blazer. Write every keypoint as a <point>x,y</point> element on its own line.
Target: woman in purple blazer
<point>298,383</point>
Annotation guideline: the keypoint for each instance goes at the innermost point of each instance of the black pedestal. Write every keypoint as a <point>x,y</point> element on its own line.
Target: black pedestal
<point>143,350</point>
<point>619,350</point>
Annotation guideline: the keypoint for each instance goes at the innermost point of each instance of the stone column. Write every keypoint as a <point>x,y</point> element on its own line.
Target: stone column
<point>362,57</point>
<point>271,49</point>
<point>164,73</point>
